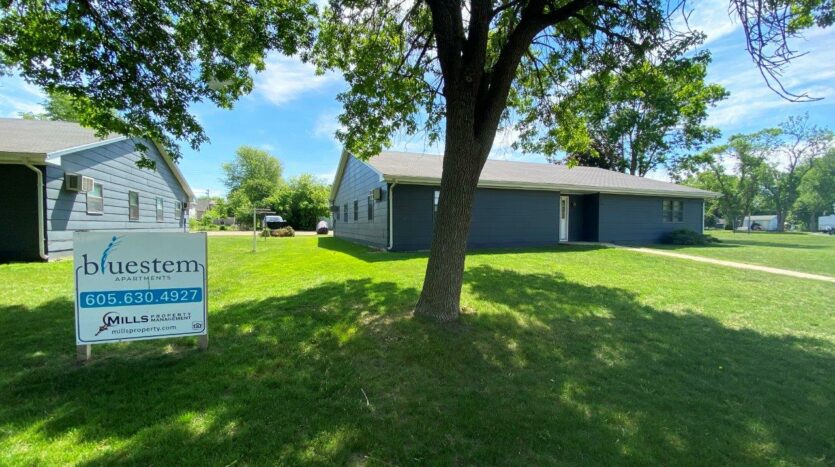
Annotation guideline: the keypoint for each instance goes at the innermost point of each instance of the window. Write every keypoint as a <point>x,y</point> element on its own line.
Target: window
<point>356,210</point>
<point>133,206</point>
<point>435,204</point>
<point>370,208</point>
<point>95,199</point>
<point>178,212</point>
<point>345,213</point>
<point>160,210</point>
<point>673,210</point>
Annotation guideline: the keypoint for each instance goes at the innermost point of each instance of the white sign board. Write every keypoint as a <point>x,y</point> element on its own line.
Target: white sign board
<point>132,286</point>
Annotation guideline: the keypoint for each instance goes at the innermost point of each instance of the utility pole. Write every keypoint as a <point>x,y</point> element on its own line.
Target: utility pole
<point>256,211</point>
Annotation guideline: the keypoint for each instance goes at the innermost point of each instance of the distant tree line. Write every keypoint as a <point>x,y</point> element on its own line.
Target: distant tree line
<point>254,180</point>
<point>788,171</point>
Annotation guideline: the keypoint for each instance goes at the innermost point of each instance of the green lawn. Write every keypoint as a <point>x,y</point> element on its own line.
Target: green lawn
<point>796,251</point>
<point>573,355</point>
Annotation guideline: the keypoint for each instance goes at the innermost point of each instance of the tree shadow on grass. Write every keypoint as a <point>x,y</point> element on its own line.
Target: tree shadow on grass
<point>550,371</point>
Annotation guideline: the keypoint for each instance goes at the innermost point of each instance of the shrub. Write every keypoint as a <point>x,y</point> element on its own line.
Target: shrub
<point>284,232</point>
<point>222,227</point>
<point>687,237</point>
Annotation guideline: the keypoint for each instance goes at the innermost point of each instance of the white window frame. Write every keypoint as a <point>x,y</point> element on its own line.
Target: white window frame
<point>160,209</point>
<point>90,194</point>
<point>672,218</point>
<point>130,215</point>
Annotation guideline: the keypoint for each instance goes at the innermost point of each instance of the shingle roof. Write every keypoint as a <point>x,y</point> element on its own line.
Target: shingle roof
<point>44,136</point>
<point>406,166</point>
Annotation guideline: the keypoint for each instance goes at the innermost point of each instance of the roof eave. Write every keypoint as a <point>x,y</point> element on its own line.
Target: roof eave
<point>175,170</point>
<point>56,155</point>
<point>555,187</point>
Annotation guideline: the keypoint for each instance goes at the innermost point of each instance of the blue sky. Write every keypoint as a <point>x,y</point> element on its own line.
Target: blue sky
<point>292,113</point>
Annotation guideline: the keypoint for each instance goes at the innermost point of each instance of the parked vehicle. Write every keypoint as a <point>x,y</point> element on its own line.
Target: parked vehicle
<point>275,222</point>
<point>322,228</point>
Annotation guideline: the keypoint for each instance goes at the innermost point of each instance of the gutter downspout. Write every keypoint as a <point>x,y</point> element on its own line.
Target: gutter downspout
<point>391,217</point>
<point>41,250</point>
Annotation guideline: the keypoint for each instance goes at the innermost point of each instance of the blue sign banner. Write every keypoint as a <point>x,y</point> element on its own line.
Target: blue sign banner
<point>140,297</point>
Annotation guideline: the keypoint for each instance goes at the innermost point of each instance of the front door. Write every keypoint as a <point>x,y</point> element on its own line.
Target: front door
<point>563,218</point>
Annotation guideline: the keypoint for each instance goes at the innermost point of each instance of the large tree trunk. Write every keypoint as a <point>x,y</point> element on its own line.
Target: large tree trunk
<point>781,220</point>
<point>813,221</point>
<point>464,158</point>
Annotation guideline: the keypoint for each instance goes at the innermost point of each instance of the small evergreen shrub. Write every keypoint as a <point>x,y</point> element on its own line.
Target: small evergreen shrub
<point>687,237</point>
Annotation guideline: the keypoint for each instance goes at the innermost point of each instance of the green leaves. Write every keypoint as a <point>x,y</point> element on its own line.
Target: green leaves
<point>254,176</point>
<point>139,65</point>
<point>632,118</point>
<point>384,51</point>
<point>302,201</point>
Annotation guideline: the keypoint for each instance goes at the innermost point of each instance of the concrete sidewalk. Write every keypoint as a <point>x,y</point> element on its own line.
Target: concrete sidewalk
<point>731,264</point>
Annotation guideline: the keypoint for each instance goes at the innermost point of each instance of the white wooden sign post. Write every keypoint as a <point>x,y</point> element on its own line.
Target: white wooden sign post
<point>137,286</point>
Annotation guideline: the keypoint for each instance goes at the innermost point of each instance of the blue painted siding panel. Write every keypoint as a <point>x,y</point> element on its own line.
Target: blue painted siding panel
<point>501,218</point>
<point>114,166</point>
<point>357,182</point>
<point>413,211</point>
<point>514,218</point>
<point>638,219</point>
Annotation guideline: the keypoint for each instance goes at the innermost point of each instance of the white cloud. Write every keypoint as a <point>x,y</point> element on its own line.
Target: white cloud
<point>286,79</point>
<point>326,126</point>
<point>267,147</point>
<point>18,96</point>
<point>327,177</point>
<point>416,143</point>
<point>750,98</point>
<point>211,191</point>
<point>711,17</point>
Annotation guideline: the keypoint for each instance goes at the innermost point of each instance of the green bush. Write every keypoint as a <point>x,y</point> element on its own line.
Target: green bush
<point>222,227</point>
<point>687,237</point>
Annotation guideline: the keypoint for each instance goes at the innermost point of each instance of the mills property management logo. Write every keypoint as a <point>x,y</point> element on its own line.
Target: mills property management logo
<point>120,268</point>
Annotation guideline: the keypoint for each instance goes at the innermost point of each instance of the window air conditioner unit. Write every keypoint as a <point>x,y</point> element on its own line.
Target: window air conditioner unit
<point>72,182</point>
<point>377,194</point>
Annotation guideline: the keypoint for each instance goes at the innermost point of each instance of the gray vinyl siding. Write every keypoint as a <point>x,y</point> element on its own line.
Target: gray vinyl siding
<point>638,219</point>
<point>114,166</point>
<point>501,218</point>
<point>358,180</point>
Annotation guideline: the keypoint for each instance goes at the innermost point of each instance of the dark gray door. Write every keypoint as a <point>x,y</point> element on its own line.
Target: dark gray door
<point>19,224</point>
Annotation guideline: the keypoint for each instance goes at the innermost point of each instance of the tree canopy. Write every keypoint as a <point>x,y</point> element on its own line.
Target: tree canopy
<point>773,168</point>
<point>140,65</point>
<point>817,190</point>
<point>251,178</point>
<point>303,201</point>
<point>59,106</point>
<point>630,120</point>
